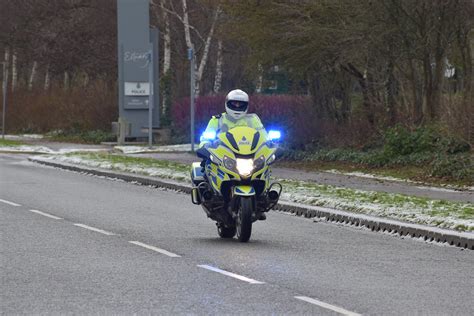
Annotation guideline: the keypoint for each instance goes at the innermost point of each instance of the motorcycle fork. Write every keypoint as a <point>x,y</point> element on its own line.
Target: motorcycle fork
<point>234,206</point>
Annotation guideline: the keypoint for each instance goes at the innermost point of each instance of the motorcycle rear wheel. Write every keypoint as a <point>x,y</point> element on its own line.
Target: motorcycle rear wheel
<point>244,219</point>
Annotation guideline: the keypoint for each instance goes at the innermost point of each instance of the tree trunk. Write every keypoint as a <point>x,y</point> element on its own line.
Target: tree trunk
<point>32,75</point>
<point>205,54</point>
<point>259,84</point>
<point>218,76</point>
<point>66,81</point>
<point>428,83</point>
<point>199,70</point>
<point>14,71</point>
<point>346,104</point>
<point>46,79</point>
<point>391,91</point>
<point>167,40</point>
<point>187,37</point>
<point>417,92</point>
<point>368,108</point>
<point>6,64</point>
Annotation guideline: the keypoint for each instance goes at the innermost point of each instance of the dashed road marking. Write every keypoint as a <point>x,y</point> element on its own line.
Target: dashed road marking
<point>45,214</point>
<point>162,251</point>
<point>336,309</point>
<point>9,203</point>
<point>233,275</point>
<point>95,229</point>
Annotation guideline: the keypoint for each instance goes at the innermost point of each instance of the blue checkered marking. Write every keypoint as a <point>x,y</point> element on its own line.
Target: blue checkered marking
<point>221,174</point>
<point>240,191</point>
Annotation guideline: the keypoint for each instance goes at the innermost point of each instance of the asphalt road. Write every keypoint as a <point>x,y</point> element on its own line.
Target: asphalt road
<point>66,247</point>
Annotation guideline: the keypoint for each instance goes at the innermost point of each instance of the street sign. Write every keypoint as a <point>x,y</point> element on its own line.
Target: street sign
<point>137,88</point>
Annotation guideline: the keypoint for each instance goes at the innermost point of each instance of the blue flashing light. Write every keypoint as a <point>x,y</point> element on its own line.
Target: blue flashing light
<point>209,135</point>
<point>274,135</point>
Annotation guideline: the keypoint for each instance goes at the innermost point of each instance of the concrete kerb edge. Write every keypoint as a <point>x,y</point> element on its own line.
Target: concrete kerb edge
<point>373,223</point>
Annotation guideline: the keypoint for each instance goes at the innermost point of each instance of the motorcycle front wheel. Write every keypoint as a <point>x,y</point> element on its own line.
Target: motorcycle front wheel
<point>244,219</point>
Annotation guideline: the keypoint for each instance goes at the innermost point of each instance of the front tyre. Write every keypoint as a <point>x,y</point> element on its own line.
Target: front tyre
<point>244,219</point>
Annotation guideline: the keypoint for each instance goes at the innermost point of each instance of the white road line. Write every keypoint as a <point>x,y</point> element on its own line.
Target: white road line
<point>95,229</point>
<point>45,214</point>
<point>9,203</point>
<point>162,251</point>
<point>233,275</point>
<point>336,309</point>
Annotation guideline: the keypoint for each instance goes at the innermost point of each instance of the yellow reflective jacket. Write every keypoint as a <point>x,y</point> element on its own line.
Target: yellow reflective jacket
<point>222,123</point>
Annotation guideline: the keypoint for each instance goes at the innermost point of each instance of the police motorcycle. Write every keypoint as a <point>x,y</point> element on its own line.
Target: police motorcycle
<point>233,187</point>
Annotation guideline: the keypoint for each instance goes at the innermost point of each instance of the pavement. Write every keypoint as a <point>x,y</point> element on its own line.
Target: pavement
<point>80,244</point>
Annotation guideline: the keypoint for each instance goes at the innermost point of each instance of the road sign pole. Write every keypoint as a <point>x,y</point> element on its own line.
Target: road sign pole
<point>150,99</point>
<point>191,58</point>
<point>5,83</point>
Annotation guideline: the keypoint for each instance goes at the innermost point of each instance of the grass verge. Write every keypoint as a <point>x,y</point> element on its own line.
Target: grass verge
<point>10,143</point>
<point>439,213</point>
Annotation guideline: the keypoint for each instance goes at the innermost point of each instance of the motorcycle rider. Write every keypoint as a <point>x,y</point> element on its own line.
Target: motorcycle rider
<point>236,114</point>
<point>236,106</point>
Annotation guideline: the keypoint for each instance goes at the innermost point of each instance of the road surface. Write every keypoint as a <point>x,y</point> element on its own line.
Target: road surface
<point>73,243</point>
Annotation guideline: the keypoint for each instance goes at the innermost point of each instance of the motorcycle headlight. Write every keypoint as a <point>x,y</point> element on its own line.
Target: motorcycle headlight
<point>259,163</point>
<point>229,163</point>
<point>244,167</point>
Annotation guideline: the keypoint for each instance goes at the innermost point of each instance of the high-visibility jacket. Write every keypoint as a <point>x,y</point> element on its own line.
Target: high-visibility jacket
<point>222,123</point>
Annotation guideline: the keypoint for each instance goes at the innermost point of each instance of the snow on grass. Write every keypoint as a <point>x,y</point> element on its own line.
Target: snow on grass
<point>154,149</point>
<point>439,213</point>
<point>144,166</point>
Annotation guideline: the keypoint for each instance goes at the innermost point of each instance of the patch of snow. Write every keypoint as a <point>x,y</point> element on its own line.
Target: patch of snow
<point>27,149</point>
<point>45,150</point>
<point>154,149</point>
<point>437,189</point>
<point>31,136</point>
<point>368,176</point>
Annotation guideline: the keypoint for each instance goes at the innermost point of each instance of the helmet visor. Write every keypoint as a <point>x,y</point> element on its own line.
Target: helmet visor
<point>235,105</point>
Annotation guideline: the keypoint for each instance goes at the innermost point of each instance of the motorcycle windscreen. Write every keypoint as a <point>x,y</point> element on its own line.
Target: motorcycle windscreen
<point>243,140</point>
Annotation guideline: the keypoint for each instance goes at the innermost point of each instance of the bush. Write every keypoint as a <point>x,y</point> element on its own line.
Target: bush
<point>459,166</point>
<point>88,137</point>
<point>400,141</point>
<point>78,109</point>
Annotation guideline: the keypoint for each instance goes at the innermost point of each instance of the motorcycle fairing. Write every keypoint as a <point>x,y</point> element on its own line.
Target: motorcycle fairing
<point>243,190</point>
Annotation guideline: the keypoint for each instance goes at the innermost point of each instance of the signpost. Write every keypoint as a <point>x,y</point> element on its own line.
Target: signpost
<point>5,86</point>
<point>150,99</point>
<point>137,50</point>
<point>191,58</point>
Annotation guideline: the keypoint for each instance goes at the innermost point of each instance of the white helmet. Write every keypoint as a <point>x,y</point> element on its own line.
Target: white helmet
<point>237,103</point>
